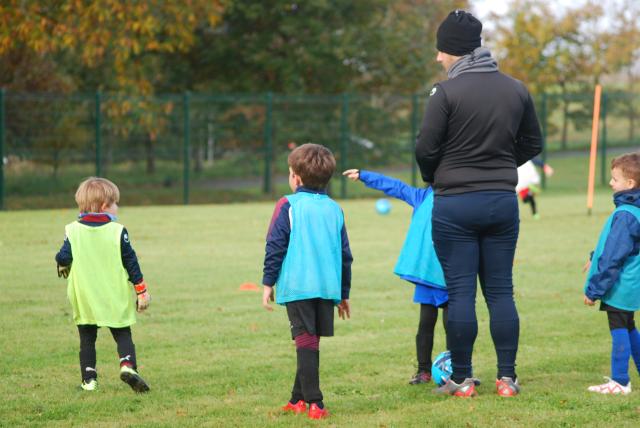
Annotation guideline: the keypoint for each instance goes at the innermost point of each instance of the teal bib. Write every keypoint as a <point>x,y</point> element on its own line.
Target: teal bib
<point>312,267</point>
<point>625,293</point>
<point>418,261</point>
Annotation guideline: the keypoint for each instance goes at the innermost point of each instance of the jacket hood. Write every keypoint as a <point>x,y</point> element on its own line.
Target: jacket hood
<point>627,197</point>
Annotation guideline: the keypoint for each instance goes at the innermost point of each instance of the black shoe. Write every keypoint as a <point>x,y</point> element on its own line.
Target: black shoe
<point>420,377</point>
<point>133,379</point>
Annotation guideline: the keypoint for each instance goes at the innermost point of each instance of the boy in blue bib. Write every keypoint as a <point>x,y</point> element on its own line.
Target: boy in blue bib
<point>417,262</point>
<point>308,261</point>
<point>614,273</point>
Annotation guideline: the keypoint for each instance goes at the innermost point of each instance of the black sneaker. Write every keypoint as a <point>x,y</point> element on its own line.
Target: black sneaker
<point>133,379</point>
<point>420,377</point>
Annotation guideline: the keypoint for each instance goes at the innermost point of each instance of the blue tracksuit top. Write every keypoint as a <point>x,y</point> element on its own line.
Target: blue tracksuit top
<point>417,262</point>
<point>307,251</point>
<point>614,277</point>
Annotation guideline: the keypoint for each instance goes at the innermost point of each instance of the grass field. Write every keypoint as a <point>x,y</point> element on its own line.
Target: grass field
<point>214,357</point>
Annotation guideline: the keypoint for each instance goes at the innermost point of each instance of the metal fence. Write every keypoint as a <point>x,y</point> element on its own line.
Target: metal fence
<point>195,148</point>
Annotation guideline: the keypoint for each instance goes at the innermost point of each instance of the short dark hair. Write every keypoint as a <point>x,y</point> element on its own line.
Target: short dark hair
<point>629,164</point>
<point>314,164</point>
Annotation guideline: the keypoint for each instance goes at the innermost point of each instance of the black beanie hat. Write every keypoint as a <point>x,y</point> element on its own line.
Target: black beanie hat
<point>459,33</point>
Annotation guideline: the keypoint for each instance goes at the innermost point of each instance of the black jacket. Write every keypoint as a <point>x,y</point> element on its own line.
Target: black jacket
<point>477,129</point>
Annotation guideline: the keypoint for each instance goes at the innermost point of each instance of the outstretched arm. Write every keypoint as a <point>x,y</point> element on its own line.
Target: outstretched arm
<point>390,186</point>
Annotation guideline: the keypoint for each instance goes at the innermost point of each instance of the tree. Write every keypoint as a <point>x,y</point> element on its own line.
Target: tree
<point>105,45</point>
<point>556,54</point>
<point>624,54</point>
<point>319,47</point>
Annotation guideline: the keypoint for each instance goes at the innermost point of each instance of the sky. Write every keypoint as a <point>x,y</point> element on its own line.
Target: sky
<point>482,8</point>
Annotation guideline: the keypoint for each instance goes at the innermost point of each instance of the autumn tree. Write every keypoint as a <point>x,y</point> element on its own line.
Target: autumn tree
<point>624,54</point>
<point>105,45</point>
<point>556,53</point>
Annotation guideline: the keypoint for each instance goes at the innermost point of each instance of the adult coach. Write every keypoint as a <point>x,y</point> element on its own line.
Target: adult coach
<point>479,126</point>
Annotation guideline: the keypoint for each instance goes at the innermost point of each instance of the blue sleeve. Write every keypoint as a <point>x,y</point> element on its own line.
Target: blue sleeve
<point>347,259</point>
<point>277,242</point>
<point>623,241</point>
<point>129,258</point>
<point>433,134</point>
<point>394,187</point>
<point>64,256</point>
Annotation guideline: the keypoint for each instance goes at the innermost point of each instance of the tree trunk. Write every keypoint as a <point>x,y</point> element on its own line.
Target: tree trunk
<point>55,163</point>
<point>151,158</point>
<point>631,111</point>
<point>565,114</point>
<point>199,157</point>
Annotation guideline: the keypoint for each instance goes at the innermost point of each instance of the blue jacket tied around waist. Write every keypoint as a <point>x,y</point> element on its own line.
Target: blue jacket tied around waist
<point>418,262</point>
<point>614,277</point>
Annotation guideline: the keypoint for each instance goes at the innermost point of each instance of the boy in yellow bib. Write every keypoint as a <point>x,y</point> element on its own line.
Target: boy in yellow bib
<point>99,262</point>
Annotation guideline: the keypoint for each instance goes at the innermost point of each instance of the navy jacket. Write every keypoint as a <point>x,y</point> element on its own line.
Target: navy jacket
<point>129,258</point>
<point>278,243</point>
<point>623,241</point>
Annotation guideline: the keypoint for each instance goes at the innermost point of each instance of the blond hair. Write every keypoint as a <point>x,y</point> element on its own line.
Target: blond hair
<point>94,192</point>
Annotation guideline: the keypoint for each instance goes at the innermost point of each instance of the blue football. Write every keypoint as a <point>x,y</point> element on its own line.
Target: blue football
<point>441,368</point>
<point>383,206</point>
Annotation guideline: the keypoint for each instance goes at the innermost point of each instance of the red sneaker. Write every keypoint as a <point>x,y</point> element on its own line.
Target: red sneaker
<point>465,389</point>
<point>316,412</point>
<point>507,387</point>
<point>299,407</point>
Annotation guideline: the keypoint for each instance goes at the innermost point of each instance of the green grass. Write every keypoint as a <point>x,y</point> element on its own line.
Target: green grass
<point>214,357</point>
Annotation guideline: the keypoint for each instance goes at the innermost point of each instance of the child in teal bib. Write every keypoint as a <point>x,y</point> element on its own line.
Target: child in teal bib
<point>417,263</point>
<point>614,273</point>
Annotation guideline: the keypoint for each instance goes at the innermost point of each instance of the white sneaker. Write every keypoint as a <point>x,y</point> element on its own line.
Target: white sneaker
<point>92,385</point>
<point>611,387</point>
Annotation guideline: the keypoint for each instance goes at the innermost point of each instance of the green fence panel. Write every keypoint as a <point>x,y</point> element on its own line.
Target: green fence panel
<point>214,148</point>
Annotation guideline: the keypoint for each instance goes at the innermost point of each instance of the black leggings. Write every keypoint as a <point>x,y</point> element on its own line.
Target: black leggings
<point>424,338</point>
<point>530,199</point>
<point>475,237</point>
<point>88,335</point>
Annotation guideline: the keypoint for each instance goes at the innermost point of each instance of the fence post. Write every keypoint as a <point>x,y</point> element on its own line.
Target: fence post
<point>186,146</point>
<point>268,142</point>
<point>344,143</point>
<point>412,138</point>
<point>2,114</point>
<point>98,134</point>
<point>543,117</point>
<point>603,142</point>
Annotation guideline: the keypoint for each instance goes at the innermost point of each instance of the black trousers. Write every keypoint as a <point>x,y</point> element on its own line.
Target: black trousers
<point>475,237</point>
<point>530,199</point>
<point>424,338</point>
<point>88,335</point>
